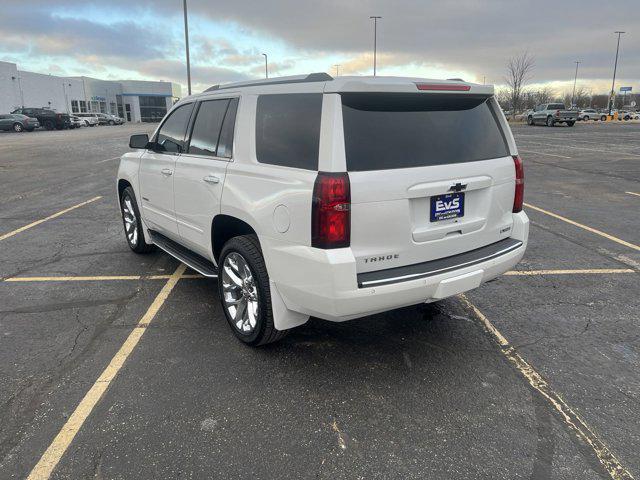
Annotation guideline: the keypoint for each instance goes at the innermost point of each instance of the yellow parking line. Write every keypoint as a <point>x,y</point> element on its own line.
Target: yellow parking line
<point>542,153</point>
<point>633,193</point>
<point>97,278</point>
<point>585,271</point>
<point>569,416</point>
<point>58,447</point>
<point>38,222</point>
<point>585,227</point>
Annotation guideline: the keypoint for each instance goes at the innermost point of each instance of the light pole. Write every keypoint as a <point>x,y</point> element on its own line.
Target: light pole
<point>186,44</point>
<point>375,41</point>
<point>266,68</point>
<point>575,79</point>
<point>615,67</point>
<point>337,70</point>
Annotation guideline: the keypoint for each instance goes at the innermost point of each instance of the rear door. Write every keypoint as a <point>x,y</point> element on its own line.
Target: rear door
<point>156,172</point>
<point>201,170</point>
<point>431,176</point>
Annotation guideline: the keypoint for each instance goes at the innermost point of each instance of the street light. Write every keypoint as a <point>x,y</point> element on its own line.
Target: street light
<point>575,79</point>
<point>266,69</point>
<point>186,44</point>
<point>615,67</point>
<point>375,40</point>
<point>337,70</point>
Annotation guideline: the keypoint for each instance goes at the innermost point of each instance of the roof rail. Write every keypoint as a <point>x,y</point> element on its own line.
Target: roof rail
<point>455,79</point>
<point>312,77</point>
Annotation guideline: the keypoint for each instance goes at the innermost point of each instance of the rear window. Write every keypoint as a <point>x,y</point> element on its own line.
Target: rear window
<point>555,106</point>
<point>288,129</point>
<point>387,131</point>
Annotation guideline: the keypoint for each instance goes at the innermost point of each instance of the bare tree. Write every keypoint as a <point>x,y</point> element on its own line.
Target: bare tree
<point>545,95</point>
<point>519,70</point>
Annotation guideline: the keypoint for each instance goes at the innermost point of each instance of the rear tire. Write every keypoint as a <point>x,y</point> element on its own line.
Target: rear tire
<point>550,121</point>
<point>132,222</point>
<point>603,118</point>
<point>585,118</point>
<point>49,125</point>
<point>529,120</point>
<point>245,295</point>
<point>17,127</point>
<point>571,124</point>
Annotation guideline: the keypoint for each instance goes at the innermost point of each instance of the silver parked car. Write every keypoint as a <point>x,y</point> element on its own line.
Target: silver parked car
<point>588,114</point>
<point>89,119</point>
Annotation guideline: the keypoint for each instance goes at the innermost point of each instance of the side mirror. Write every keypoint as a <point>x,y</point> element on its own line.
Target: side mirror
<point>139,141</point>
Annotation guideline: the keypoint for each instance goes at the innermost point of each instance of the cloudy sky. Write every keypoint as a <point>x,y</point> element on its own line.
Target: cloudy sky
<point>471,39</point>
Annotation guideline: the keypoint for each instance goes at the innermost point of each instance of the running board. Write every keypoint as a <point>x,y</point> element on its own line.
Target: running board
<point>186,256</point>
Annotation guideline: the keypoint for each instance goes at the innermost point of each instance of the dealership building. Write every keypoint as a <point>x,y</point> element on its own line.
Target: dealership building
<point>133,100</point>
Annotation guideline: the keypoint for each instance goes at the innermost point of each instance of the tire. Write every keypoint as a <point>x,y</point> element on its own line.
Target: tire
<point>585,118</point>
<point>243,276</point>
<point>603,118</point>
<point>92,125</point>
<point>17,127</point>
<point>49,125</point>
<point>529,120</point>
<point>570,124</point>
<point>111,122</point>
<point>132,222</point>
<point>550,121</point>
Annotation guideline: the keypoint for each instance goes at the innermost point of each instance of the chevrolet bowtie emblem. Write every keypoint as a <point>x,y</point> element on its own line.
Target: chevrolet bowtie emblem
<point>458,187</point>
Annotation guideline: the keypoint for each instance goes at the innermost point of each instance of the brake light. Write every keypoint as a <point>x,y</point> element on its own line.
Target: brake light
<point>450,87</point>
<point>331,211</point>
<point>518,198</point>
<point>557,113</point>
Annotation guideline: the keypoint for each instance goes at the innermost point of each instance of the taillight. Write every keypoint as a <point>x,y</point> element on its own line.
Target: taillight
<point>331,211</point>
<point>518,198</point>
<point>557,113</point>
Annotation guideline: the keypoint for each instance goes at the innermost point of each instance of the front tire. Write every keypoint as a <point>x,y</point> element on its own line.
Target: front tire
<point>17,127</point>
<point>245,295</point>
<point>529,120</point>
<point>571,124</point>
<point>550,121</point>
<point>603,118</point>
<point>133,222</point>
<point>585,118</point>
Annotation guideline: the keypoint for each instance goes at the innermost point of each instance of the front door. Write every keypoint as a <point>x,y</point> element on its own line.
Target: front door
<point>156,172</point>
<point>5,122</point>
<point>200,172</point>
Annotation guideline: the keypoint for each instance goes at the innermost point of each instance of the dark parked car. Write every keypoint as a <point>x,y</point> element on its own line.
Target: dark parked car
<point>48,118</point>
<point>18,122</point>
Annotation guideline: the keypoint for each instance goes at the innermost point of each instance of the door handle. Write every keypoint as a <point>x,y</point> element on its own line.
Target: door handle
<point>167,171</point>
<point>211,179</point>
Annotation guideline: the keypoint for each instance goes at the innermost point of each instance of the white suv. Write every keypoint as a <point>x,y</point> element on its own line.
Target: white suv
<point>334,198</point>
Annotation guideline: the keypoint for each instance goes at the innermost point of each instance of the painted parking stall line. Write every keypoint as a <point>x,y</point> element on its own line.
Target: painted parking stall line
<point>570,418</point>
<point>633,193</point>
<point>61,442</point>
<point>584,227</point>
<point>99,278</point>
<point>55,215</point>
<point>542,153</point>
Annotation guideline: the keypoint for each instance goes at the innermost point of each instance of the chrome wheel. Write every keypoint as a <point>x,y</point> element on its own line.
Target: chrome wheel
<point>130,221</point>
<point>240,293</point>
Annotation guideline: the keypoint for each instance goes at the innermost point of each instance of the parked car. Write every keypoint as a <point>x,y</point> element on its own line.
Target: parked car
<point>628,115</point>
<point>76,122</point>
<point>108,119</point>
<point>551,113</point>
<point>18,122</point>
<point>588,114</point>
<point>47,117</point>
<point>297,193</point>
<point>90,119</point>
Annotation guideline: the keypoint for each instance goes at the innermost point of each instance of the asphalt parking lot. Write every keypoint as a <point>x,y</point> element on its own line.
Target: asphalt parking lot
<point>113,365</point>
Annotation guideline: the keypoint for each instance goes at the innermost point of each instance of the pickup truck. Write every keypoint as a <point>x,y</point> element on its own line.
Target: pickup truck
<point>551,113</point>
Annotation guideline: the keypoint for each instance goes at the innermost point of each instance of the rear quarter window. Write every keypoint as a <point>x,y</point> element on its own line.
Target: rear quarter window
<point>288,129</point>
<point>388,131</point>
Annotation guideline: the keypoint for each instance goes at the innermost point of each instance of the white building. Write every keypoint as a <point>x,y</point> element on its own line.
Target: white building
<point>133,100</point>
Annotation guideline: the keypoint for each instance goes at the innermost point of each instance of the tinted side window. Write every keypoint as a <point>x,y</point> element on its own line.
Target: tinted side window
<point>225,145</point>
<point>206,129</point>
<point>171,134</point>
<point>288,129</point>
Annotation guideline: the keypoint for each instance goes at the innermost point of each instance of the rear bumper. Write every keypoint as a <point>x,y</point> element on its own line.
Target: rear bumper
<point>324,283</point>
